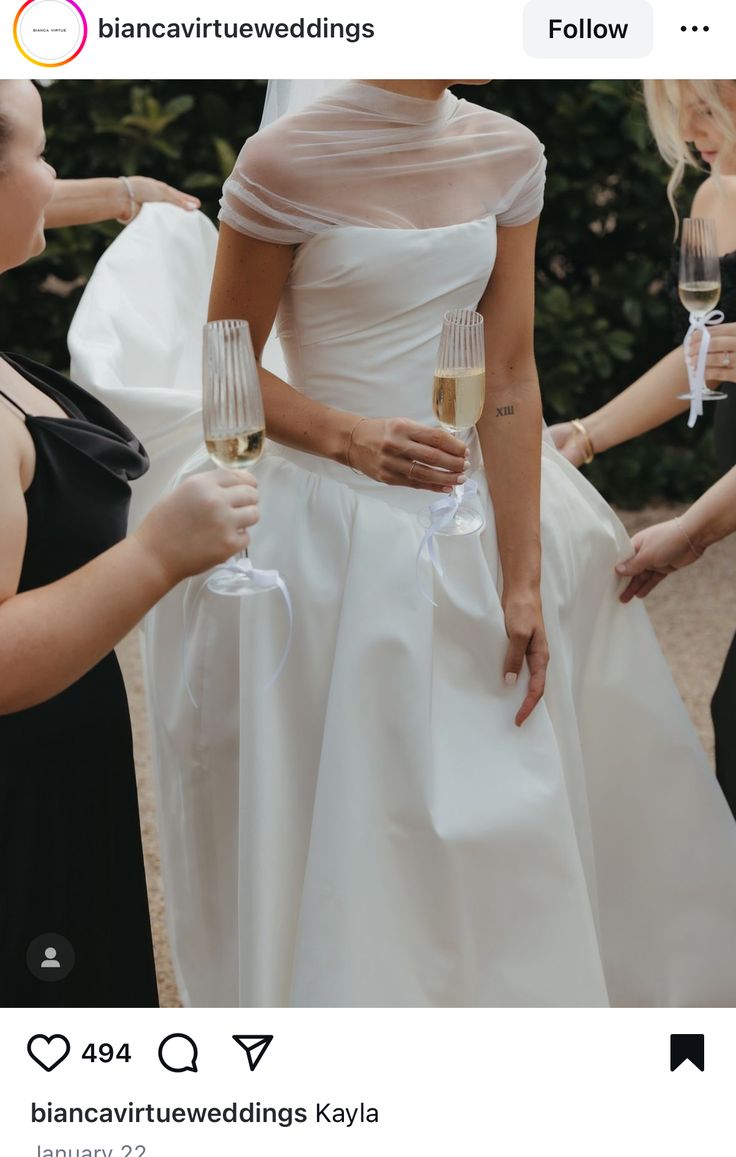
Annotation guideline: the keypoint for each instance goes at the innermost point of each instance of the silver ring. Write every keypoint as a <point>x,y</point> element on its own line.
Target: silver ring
<point>726,363</point>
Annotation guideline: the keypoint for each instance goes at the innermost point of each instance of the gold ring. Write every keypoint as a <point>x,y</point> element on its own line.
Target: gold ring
<point>411,468</point>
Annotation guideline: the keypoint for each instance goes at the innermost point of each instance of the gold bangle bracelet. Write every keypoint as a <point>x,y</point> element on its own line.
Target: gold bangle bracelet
<point>587,443</point>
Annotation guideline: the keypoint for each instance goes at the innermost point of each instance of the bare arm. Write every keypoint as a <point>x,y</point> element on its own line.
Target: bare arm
<point>652,400</point>
<point>713,516</point>
<point>510,432</point>
<point>106,198</point>
<point>51,636</point>
<point>248,282</point>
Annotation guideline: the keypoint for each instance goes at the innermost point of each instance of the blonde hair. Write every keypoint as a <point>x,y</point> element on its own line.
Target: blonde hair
<point>665,100</point>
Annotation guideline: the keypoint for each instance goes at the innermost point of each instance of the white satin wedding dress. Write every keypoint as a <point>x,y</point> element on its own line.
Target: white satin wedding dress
<point>373,829</point>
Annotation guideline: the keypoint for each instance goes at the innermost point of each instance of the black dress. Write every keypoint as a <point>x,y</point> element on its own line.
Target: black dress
<point>71,861</point>
<point>723,706</point>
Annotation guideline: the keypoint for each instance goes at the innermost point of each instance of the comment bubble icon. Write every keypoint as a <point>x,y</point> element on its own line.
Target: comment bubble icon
<point>178,1053</point>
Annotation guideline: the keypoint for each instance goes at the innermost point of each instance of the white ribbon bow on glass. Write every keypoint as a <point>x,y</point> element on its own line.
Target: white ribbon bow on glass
<point>268,579</point>
<point>696,373</point>
<point>441,514</point>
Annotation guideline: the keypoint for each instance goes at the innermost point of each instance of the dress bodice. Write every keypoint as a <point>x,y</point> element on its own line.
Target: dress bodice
<point>78,500</point>
<point>361,315</point>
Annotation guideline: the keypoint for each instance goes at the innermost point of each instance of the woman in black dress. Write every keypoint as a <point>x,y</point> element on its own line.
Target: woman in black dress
<point>702,113</point>
<point>72,586</point>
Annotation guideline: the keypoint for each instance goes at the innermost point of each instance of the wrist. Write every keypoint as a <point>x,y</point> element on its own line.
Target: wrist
<point>157,575</point>
<point>339,438</point>
<point>521,580</point>
<point>124,200</point>
<point>699,536</point>
<point>595,426</point>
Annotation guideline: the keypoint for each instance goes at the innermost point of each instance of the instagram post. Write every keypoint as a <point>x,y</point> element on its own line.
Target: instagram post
<point>367,608</point>
<point>262,691</point>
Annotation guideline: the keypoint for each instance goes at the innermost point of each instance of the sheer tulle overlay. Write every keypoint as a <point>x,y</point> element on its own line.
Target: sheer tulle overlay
<point>361,155</point>
<point>373,830</point>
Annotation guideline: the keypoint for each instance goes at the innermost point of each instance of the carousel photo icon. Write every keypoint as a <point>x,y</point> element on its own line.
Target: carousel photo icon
<point>50,33</point>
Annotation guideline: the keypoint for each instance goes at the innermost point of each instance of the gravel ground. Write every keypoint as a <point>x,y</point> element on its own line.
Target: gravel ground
<point>694,615</point>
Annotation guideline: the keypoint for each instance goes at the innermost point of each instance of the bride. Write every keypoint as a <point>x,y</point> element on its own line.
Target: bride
<point>409,816</point>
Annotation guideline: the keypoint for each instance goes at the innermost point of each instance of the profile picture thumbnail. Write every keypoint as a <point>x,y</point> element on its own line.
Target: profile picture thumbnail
<point>50,32</point>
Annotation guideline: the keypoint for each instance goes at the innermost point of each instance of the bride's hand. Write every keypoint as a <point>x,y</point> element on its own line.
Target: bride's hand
<point>569,442</point>
<point>659,551</point>
<point>527,640</point>
<point>400,452</point>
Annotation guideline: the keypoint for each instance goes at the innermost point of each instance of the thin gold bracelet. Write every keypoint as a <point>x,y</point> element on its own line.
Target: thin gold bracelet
<point>688,540</point>
<point>350,446</point>
<point>587,443</point>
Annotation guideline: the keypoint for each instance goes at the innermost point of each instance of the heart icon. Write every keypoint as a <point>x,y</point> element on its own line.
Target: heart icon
<point>48,1051</point>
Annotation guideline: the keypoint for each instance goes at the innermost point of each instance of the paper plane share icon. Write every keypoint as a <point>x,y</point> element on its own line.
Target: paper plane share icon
<point>254,1048</point>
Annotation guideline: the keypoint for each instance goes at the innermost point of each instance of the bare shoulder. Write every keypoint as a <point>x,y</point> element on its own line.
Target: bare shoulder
<point>17,457</point>
<point>716,198</point>
<point>715,193</point>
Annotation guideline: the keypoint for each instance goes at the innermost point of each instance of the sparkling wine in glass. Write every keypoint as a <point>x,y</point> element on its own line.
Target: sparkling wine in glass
<point>234,425</point>
<point>458,395</point>
<point>700,279</point>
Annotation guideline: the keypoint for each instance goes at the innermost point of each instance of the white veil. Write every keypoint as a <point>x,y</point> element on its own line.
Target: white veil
<point>284,97</point>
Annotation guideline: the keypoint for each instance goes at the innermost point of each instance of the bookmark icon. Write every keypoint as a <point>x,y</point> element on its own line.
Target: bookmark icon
<point>687,1047</point>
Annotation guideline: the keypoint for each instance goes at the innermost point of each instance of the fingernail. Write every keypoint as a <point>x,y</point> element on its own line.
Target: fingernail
<point>620,569</point>
<point>447,490</point>
<point>510,678</point>
<point>461,478</point>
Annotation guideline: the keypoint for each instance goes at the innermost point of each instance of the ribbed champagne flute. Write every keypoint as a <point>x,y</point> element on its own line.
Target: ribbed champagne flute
<point>234,425</point>
<point>459,394</point>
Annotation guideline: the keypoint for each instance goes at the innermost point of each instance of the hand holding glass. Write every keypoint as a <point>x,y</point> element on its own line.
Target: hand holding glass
<point>700,290</point>
<point>459,394</point>
<point>234,426</point>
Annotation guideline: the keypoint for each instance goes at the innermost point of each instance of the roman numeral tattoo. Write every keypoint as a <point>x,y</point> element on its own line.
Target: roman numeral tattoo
<point>504,411</point>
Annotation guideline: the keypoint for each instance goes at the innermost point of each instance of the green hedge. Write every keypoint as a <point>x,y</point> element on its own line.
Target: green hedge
<point>605,241</point>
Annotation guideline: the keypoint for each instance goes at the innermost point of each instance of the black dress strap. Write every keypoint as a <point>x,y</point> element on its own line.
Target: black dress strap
<point>13,403</point>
